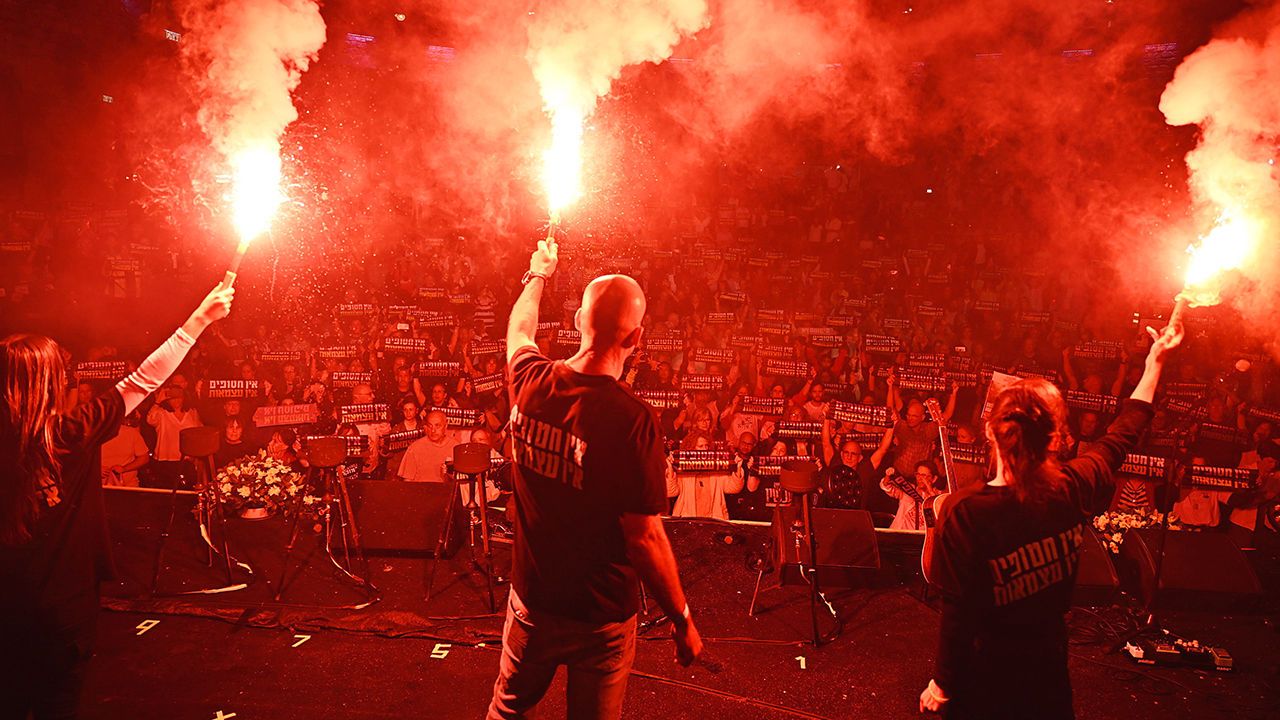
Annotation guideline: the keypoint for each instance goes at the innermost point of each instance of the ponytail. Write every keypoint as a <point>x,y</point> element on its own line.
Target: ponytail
<point>1025,425</point>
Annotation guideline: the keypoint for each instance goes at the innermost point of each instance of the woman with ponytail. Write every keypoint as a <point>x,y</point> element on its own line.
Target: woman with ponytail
<point>1006,552</point>
<point>53,548</point>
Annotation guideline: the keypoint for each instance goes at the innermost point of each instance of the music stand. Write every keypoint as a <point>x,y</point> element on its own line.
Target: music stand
<point>470,467</point>
<point>800,478</point>
<point>199,444</point>
<point>325,456</point>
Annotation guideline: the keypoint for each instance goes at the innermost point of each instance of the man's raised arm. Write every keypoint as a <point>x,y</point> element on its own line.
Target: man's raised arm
<point>523,325</point>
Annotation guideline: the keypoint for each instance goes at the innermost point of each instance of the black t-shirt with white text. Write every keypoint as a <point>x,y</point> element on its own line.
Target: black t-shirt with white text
<point>586,452</point>
<point>1007,568</point>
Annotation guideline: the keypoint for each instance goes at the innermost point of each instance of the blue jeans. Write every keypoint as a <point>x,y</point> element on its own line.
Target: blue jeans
<point>534,645</point>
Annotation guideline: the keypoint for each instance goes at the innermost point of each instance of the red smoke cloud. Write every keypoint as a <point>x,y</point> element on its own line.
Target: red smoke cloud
<point>1036,124</point>
<point>1230,89</point>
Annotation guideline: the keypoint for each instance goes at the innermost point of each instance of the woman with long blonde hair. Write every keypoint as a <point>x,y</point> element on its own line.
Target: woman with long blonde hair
<point>53,549</point>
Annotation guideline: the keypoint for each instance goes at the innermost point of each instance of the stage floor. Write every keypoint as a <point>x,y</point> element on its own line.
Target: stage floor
<point>208,657</point>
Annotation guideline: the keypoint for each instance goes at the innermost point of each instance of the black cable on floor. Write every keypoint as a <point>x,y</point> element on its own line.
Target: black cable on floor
<point>1106,626</point>
<point>1134,673</point>
<point>730,696</point>
<point>722,694</point>
<point>742,640</point>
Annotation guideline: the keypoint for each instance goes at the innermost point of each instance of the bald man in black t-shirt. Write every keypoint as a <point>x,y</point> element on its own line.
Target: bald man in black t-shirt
<point>589,493</point>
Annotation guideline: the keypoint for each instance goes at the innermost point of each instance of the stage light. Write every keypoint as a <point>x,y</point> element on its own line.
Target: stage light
<point>928,191</point>
<point>400,17</point>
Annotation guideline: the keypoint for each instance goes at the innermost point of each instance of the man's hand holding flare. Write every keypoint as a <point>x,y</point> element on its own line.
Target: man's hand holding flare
<point>543,260</point>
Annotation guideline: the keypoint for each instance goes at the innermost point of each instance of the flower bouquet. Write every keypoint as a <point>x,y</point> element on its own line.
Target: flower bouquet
<point>257,485</point>
<point>1111,526</point>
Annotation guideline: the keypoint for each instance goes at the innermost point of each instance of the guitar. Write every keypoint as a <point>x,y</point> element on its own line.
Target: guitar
<point>934,506</point>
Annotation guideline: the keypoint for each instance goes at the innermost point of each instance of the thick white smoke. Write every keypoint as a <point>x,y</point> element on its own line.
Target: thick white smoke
<point>245,57</point>
<point>577,48</point>
<point>1230,88</point>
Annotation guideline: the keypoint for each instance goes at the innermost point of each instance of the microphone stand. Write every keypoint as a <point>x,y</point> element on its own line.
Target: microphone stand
<point>1174,464</point>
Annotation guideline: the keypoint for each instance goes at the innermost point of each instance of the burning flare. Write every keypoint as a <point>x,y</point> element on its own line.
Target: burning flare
<point>577,48</point>
<point>255,192</point>
<point>1230,89</point>
<point>244,59</point>
<point>1226,247</point>
<point>562,162</point>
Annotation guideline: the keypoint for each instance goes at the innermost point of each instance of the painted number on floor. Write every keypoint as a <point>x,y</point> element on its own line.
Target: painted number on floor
<point>146,625</point>
<point>802,663</point>
<point>301,639</point>
<point>440,651</point>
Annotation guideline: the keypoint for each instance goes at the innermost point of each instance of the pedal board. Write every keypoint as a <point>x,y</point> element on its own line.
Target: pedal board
<point>1179,653</point>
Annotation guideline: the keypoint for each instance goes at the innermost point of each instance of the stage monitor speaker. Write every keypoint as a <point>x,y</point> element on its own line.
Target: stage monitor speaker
<point>1096,578</point>
<point>847,551</point>
<point>1201,569</point>
<point>397,517</point>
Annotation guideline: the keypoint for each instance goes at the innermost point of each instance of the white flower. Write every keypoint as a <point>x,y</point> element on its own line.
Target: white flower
<point>273,491</point>
<point>245,492</point>
<point>308,500</point>
<point>226,487</point>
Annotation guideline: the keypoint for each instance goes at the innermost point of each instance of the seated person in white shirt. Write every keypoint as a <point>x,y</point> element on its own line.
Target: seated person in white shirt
<point>425,458</point>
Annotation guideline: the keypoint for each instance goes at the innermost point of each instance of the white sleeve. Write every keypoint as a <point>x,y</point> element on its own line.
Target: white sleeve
<point>890,490</point>
<point>408,469</point>
<point>155,370</point>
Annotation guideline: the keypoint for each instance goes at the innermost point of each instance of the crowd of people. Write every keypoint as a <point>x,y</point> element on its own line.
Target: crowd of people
<point>760,345</point>
<point>766,336</point>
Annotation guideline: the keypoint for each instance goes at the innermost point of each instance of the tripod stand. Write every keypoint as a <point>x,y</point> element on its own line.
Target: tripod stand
<point>199,444</point>
<point>800,478</point>
<point>325,456</point>
<point>469,470</point>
